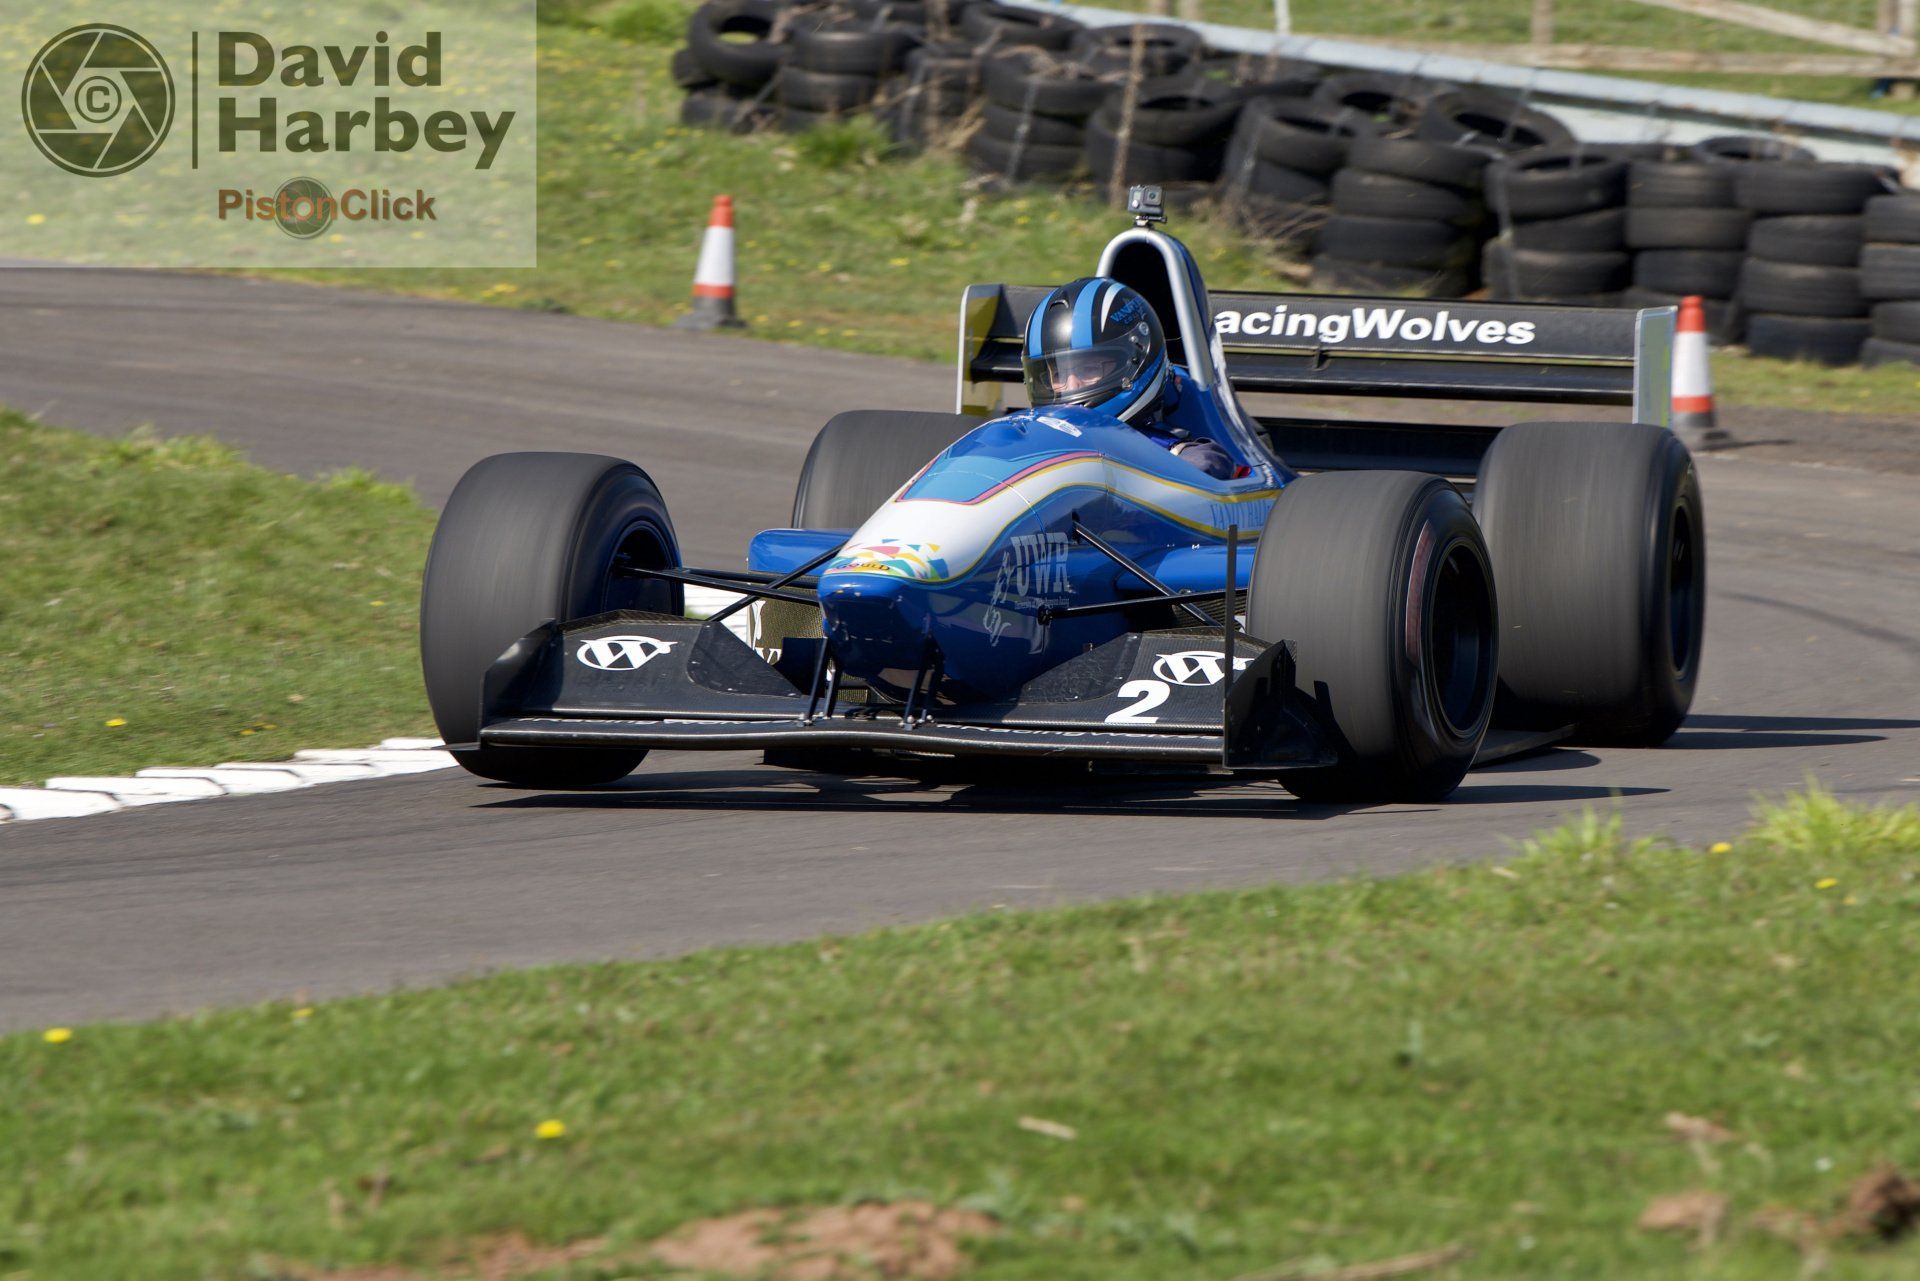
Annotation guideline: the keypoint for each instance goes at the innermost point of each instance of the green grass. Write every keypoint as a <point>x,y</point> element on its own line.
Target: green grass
<point>1741,379</point>
<point>1321,1074</point>
<point>167,603</point>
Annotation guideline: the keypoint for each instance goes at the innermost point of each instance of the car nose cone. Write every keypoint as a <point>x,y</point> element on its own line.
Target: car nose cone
<point>876,622</point>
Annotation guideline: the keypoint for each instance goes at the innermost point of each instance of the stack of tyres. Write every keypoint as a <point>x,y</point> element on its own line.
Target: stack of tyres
<point>835,69</point>
<point>1168,132</point>
<point>1801,284</point>
<point>1284,156</point>
<point>1679,211</point>
<point>1562,218</point>
<point>936,96</point>
<point>1890,278</point>
<point>1158,48</point>
<point>1489,120</point>
<point>992,27</point>
<point>1419,231</point>
<point>1034,126</point>
<point>734,50</point>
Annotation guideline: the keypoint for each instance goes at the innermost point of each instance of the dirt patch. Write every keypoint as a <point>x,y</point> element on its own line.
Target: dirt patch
<point>501,1258</point>
<point>1883,1205</point>
<point>875,1241</point>
<point>1698,1213</point>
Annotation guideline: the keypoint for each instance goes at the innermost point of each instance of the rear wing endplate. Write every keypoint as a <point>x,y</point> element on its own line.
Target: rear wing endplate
<point>1337,345</point>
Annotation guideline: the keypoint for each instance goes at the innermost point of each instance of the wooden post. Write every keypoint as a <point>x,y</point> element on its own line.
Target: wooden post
<point>1283,17</point>
<point>1543,22</point>
<point>1190,10</point>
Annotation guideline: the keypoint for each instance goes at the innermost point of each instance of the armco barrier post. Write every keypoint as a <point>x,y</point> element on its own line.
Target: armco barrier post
<point>1693,416</point>
<point>713,277</point>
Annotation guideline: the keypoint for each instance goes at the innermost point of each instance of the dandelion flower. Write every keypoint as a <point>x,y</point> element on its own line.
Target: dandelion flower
<point>302,1014</point>
<point>550,1129</point>
<point>1825,883</point>
<point>116,722</point>
<point>35,220</point>
<point>1720,847</point>
<point>57,1035</point>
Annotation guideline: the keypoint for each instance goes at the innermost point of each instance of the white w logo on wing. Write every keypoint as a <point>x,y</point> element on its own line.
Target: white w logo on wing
<point>621,653</point>
<point>1194,667</point>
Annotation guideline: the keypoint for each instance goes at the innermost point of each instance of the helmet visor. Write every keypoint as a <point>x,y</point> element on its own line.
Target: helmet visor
<point>1085,375</point>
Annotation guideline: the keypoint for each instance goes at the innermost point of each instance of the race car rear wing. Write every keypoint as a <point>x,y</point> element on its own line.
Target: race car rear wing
<point>1328,345</point>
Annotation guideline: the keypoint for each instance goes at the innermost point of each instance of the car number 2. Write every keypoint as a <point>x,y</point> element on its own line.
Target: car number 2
<point>1149,695</point>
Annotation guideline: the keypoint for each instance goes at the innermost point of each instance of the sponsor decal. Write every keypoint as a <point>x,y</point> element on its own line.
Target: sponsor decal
<point>1058,424</point>
<point>1032,575</point>
<point>1189,667</point>
<point>1332,327</point>
<point>904,560</point>
<point>621,653</point>
<point>1195,667</point>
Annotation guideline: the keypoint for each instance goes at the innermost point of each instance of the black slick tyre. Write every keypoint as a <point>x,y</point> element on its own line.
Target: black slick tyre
<point>1602,231</point>
<point>1421,160</point>
<point>1893,219</point>
<point>860,458</point>
<point>1795,290</point>
<point>1382,582</point>
<point>1555,183</point>
<point>1680,184</point>
<point>1398,242</point>
<point>1818,240</point>
<point>1885,351</point>
<point>1599,549</point>
<point>1889,272</point>
<point>1658,227</point>
<point>1298,134</point>
<point>1379,195</point>
<point>1824,340</point>
<point>747,63</point>
<point>526,538</point>
<point>1711,273</point>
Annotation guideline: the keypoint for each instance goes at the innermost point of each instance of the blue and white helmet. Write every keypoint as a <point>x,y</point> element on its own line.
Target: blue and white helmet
<point>1096,343</point>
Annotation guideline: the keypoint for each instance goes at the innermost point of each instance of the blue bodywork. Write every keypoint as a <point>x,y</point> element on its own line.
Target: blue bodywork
<point>971,550</point>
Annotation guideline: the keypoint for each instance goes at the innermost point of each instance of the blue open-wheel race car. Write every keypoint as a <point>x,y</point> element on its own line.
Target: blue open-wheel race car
<point>1332,610</point>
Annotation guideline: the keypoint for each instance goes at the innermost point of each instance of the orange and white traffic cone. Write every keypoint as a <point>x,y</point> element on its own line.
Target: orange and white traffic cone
<point>713,278</point>
<point>1693,416</point>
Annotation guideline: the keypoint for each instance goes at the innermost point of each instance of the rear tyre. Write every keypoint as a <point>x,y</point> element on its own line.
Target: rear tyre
<point>862,457</point>
<point>1383,584</point>
<point>1599,546</point>
<point>526,538</point>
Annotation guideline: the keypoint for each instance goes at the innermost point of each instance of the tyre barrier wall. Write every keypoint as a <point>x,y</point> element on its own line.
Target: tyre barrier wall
<point>1385,183</point>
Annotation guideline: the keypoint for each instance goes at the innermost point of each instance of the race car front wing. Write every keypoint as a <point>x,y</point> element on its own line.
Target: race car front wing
<point>643,680</point>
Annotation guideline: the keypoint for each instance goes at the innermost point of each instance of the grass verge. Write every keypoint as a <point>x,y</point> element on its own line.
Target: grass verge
<point>1212,1086</point>
<point>168,603</point>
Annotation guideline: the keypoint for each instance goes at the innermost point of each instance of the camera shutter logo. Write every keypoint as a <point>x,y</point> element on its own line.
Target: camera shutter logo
<point>304,208</point>
<point>98,100</point>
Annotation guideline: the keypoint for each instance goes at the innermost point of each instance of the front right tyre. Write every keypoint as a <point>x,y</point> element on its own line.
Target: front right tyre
<point>1382,582</point>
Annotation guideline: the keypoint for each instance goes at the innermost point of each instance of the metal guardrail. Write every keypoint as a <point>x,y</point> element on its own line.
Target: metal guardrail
<point>1597,108</point>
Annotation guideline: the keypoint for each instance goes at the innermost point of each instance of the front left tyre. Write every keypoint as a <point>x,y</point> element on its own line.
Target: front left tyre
<point>1383,584</point>
<point>527,538</point>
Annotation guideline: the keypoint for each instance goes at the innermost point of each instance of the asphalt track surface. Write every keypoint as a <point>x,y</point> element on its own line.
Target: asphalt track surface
<point>1812,670</point>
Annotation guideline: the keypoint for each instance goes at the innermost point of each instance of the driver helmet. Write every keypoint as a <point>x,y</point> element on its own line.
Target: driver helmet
<point>1096,343</point>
